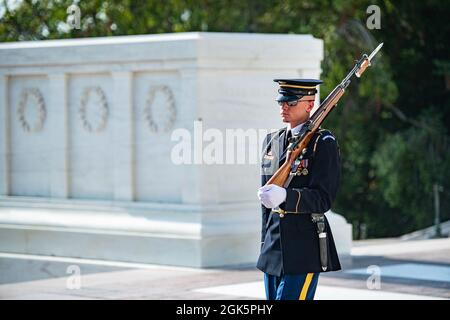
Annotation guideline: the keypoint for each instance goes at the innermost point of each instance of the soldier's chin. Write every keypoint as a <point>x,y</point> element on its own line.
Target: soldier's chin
<point>285,119</point>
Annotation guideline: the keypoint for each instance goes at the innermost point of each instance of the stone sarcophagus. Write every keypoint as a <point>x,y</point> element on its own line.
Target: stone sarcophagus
<point>89,165</point>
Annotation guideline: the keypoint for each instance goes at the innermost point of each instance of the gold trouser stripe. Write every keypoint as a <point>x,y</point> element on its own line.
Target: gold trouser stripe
<point>306,286</point>
<point>295,86</point>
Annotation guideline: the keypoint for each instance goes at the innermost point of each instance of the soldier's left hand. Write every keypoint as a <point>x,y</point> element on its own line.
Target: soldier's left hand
<point>272,195</point>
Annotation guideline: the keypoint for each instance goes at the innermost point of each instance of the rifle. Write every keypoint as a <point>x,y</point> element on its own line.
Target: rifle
<point>299,141</point>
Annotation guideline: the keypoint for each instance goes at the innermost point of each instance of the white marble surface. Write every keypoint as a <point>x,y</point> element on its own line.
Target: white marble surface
<point>85,172</point>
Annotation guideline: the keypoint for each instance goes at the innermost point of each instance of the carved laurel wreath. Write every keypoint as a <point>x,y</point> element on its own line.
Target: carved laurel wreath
<point>87,125</point>
<point>171,109</point>
<point>39,123</point>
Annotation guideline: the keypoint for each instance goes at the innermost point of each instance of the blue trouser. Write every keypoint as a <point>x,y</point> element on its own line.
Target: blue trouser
<point>291,287</point>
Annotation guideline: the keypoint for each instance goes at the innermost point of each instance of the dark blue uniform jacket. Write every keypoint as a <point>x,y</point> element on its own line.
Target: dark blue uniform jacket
<point>289,244</point>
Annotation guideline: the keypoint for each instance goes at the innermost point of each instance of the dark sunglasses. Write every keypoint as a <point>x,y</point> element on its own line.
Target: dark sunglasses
<point>292,103</point>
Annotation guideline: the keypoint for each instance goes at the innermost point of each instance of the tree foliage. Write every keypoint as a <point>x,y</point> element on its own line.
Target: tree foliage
<point>392,126</point>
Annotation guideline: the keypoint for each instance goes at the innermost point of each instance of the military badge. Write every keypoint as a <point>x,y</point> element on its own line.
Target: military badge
<point>302,167</point>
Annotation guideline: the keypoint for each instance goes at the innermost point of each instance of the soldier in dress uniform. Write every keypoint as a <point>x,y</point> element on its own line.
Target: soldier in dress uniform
<point>296,239</point>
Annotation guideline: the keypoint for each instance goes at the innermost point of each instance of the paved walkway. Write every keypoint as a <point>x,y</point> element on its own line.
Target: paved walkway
<point>409,270</point>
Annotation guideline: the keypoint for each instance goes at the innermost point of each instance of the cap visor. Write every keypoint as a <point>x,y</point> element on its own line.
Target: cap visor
<point>285,98</point>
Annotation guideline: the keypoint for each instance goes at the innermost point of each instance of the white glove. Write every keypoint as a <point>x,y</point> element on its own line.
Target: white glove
<point>272,195</point>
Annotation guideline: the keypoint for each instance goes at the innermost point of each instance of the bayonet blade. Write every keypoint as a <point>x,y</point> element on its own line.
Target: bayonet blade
<point>374,52</point>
